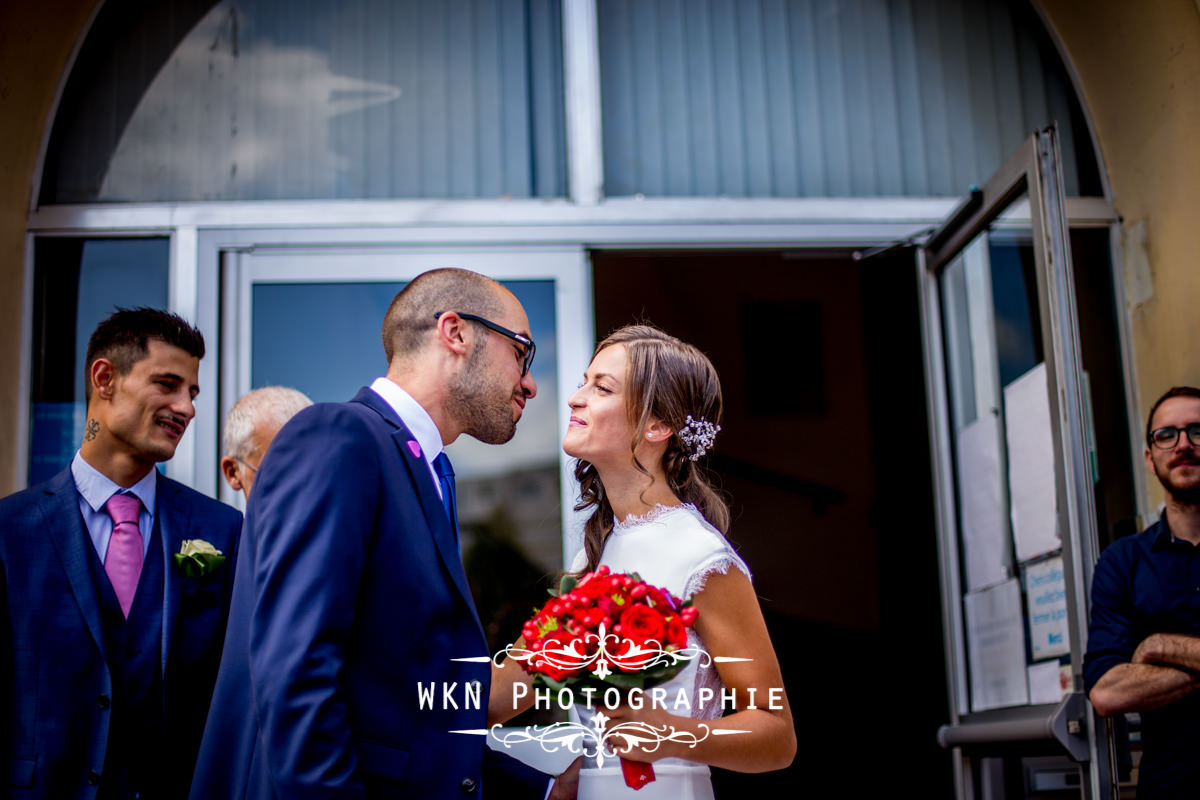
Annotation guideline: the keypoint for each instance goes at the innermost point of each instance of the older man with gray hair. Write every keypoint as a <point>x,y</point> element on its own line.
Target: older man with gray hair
<point>249,428</point>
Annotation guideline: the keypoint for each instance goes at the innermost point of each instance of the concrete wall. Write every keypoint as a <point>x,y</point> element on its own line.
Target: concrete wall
<point>1139,70</point>
<point>1138,66</point>
<point>36,40</point>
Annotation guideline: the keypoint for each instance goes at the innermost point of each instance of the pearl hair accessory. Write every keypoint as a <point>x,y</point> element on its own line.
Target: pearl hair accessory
<point>697,436</point>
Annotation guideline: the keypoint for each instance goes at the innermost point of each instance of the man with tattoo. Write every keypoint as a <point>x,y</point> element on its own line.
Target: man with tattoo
<point>1144,640</point>
<point>115,582</point>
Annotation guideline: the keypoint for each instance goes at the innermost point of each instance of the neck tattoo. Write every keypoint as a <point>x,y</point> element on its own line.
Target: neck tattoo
<point>93,428</point>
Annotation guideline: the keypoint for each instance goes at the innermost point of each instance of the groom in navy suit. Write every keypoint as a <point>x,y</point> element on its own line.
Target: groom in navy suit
<point>351,594</point>
<point>108,649</point>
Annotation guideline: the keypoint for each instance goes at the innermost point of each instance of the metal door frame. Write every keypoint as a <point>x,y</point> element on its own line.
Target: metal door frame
<point>1034,169</point>
<point>227,306</point>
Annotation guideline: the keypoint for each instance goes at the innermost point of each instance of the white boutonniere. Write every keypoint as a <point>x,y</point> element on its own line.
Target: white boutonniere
<point>197,558</point>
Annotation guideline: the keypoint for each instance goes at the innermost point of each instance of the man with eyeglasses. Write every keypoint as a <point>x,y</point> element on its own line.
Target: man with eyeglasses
<point>1144,639</point>
<point>250,426</point>
<point>351,603</point>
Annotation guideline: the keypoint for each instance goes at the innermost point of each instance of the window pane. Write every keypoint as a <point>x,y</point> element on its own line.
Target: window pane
<point>258,100</point>
<point>77,283</point>
<point>1006,469</point>
<point>827,98</point>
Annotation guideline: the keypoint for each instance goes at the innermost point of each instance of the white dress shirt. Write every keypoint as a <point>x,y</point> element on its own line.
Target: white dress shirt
<point>416,419</point>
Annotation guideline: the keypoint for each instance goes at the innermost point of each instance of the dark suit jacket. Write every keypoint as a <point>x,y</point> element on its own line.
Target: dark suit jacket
<point>53,668</point>
<point>350,597</point>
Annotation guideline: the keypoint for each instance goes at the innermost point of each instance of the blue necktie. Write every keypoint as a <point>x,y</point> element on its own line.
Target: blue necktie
<point>445,472</point>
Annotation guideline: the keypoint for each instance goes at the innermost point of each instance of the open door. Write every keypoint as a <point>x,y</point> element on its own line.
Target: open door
<point>1013,449</point>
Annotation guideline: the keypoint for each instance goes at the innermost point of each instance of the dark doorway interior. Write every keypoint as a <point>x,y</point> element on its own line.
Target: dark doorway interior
<point>824,454</point>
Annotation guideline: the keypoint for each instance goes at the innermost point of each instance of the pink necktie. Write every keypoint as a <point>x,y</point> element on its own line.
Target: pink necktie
<point>123,561</point>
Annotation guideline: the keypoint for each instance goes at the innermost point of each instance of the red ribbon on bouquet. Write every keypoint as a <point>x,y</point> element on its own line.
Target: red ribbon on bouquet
<point>637,773</point>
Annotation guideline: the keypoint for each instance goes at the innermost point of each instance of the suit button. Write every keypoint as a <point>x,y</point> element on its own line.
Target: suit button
<point>94,778</point>
<point>103,702</point>
<point>467,785</point>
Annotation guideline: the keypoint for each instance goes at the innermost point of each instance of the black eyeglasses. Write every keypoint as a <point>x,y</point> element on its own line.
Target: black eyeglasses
<point>530,347</point>
<point>1165,438</point>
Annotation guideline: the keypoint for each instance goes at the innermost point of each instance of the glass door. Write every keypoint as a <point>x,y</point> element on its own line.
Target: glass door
<point>310,318</point>
<point>1013,453</point>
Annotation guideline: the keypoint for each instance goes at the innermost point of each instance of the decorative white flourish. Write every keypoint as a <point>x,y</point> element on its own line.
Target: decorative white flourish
<point>572,655</point>
<point>599,741</point>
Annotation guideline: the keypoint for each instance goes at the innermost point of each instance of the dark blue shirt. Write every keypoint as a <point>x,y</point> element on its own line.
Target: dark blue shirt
<point>1148,584</point>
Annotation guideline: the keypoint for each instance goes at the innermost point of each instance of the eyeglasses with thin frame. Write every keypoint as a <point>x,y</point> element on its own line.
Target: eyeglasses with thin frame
<point>1165,438</point>
<point>521,339</point>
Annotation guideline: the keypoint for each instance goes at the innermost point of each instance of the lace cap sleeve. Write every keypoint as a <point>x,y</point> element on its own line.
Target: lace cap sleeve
<point>711,553</point>
<point>579,562</point>
<point>715,563</point>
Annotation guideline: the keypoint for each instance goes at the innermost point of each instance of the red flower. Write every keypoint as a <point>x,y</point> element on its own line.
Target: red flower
<point>661,597</point>
<point>559,639</point>
<point>626,658</point>
<point>640,623</point>
<point>676,633</point>
<point>632,612</point>
<point>591,589</point>
<point>588,617</point>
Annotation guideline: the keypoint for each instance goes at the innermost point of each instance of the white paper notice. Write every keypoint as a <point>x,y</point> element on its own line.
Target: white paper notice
<point>1045,683</point>
<point>1046,596</point>
<point>1031,465</point>
<point>984,527</point>
<point>996,647</point>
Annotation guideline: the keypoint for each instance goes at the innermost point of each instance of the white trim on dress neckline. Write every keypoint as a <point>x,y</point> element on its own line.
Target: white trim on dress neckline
<point>653,515</point>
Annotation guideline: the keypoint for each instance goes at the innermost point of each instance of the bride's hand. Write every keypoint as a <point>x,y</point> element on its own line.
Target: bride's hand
<point>646,743</point>
<point>566,785</point>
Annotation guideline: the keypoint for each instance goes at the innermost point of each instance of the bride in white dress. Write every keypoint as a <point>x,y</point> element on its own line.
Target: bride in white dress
<point>647,411</point>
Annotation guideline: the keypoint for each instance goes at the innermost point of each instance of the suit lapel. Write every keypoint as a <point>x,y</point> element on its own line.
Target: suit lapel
<point>427,493</point>
<point>60,507</point>
<point>172,520</point>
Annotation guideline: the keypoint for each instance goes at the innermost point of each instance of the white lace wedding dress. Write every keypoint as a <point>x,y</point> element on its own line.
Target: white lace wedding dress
<point>673,547</point>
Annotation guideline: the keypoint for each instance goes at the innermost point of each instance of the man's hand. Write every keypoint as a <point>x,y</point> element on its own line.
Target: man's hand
<point>1147,652</point>
<point>566,785</point>
<point>1165,667</point>
<point>1169,649</point>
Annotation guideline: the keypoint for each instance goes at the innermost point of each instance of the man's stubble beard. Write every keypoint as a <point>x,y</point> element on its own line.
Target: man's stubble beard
<point>1185,495</point>
<point>483,407</point>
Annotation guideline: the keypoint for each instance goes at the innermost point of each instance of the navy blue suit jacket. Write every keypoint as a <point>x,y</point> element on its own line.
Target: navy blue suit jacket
<point>53,667</point>
<point>350,598</point>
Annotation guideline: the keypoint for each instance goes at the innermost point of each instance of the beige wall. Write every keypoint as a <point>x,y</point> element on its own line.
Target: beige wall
<point>1138,66</point>
<point>36,40</point>
<point>1139,69</point>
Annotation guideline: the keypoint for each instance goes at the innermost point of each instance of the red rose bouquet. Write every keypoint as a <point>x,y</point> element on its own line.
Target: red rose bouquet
<point>608,630</point>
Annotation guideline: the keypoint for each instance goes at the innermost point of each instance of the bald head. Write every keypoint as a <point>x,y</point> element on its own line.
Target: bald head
<point>410,317</point>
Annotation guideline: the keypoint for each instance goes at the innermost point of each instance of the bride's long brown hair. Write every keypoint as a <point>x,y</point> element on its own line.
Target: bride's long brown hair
<point>667,380</point>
